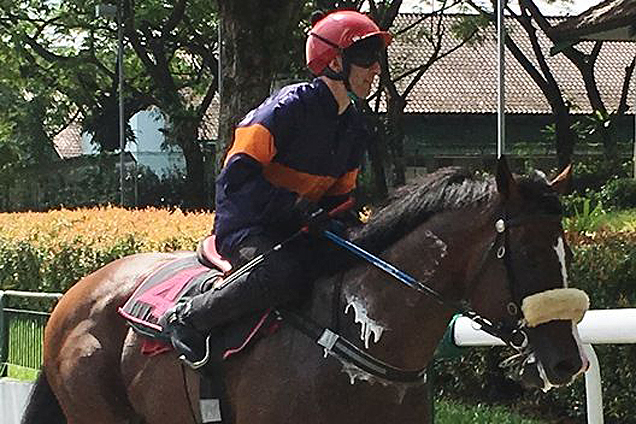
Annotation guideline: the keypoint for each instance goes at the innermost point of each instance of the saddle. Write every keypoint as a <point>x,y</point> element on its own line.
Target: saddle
<point>173,282</point>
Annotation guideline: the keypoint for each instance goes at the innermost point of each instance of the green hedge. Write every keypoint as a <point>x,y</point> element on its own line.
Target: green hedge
<point>605,267</point>
<point>26,267</point>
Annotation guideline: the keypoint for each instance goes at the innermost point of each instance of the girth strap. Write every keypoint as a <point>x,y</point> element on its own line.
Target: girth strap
<point>335,344</point>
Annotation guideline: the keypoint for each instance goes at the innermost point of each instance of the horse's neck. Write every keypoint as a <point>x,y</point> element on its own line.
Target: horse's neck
<point>391,321</point>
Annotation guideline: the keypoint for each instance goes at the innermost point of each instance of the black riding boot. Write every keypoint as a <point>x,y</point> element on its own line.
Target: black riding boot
<point>187,323</point>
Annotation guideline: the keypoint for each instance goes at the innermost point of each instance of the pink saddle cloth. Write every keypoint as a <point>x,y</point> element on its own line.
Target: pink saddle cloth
<point>164,286</point>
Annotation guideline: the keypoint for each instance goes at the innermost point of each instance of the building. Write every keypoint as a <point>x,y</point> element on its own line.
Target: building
<point>451,112</point>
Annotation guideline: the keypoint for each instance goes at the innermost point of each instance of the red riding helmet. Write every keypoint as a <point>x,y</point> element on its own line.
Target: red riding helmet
<point>334,33</point>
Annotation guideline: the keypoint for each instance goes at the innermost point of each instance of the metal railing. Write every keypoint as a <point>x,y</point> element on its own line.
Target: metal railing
<point>600,326</point>
<point>22,332</point>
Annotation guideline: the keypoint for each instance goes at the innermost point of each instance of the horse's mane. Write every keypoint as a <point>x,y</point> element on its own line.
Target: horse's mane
<point>446,189</point>
<point>409,206</point>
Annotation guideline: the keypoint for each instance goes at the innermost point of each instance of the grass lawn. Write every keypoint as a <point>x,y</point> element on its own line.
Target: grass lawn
<point>624,220</point>
<point>450,412</point>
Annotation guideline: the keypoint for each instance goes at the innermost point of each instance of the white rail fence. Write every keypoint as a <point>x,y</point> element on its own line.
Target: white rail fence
<point>600,326</point>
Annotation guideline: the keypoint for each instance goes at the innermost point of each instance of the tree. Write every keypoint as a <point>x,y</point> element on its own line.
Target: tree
<point>60,52</point>
<point>174,67</point>
<point>585,62</point>
<point>175,47</point>
<point>25,139</point>
<point>543,77</point>
<point>259,38</point>
<point>399,79</point>
<point>532,20</point>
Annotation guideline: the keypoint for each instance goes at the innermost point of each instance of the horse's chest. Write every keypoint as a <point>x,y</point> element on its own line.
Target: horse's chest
<point>291,375</point>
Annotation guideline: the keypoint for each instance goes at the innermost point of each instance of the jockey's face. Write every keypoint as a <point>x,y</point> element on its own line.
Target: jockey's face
<point>361,79</point>
<point>363,57</point>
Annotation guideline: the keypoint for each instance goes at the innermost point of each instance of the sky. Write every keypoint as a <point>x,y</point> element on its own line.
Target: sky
<point>553,8</point>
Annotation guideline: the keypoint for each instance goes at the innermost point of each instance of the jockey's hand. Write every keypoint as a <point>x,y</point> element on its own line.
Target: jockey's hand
<point>319,221</point>
<point>315,220</point>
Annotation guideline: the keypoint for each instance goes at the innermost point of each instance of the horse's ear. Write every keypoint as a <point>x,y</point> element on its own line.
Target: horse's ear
<point>506,184</point>
<point>561,183</point>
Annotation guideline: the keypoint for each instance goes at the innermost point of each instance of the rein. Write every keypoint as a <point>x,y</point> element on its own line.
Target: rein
<point>513,336</point>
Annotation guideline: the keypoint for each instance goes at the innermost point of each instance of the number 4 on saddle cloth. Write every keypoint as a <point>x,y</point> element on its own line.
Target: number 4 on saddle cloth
<point>173,282</point>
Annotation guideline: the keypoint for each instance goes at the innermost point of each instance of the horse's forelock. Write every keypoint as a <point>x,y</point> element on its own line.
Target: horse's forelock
<point>535,188</point>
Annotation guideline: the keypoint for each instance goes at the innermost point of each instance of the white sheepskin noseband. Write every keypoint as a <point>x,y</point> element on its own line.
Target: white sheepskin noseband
<point>556,304</point>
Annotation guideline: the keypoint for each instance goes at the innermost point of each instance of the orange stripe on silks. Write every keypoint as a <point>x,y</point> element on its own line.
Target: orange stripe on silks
<point>254,140</point>
<point>313,187</point>
<point>344,184</point>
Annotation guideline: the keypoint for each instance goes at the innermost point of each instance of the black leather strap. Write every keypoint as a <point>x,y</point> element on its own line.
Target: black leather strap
<point>336,345</point>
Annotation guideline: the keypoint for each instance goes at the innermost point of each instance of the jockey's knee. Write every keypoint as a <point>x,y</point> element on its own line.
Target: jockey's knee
<point>281,277</point>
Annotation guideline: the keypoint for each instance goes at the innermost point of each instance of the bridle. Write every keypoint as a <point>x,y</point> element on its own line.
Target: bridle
<point>515,335</point>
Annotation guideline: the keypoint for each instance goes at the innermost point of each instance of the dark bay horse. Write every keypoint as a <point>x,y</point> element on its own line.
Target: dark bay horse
<point>495,243</point>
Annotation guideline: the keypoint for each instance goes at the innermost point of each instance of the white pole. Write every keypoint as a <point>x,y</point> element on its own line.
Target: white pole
<point>122,135</point>
<point>501,68</point>
<point>593,388</point>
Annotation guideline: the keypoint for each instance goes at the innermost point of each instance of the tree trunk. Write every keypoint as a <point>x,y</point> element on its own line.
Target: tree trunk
<point>377,188</point>
<point>253,41</point>
<point>565,137</point>
<point>195,193</point>
<point>395,139</point>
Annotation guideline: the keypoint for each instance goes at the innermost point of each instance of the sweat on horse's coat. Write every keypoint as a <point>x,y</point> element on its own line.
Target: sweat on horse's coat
<point>369,328</point>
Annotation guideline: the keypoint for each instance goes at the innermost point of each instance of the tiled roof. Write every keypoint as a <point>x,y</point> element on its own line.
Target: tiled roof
<point>609,20</point>
<point>466,80</point>
<point>68,142</point>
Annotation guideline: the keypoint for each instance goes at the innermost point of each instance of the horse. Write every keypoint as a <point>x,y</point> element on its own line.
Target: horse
<point>491,243</point>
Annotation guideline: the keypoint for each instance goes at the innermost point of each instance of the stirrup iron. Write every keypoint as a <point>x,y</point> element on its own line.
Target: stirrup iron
<point>195,365</point>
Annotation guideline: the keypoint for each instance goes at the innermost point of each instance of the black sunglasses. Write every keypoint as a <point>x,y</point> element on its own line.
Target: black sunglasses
<point>364,59</point>
<point>364,53</point>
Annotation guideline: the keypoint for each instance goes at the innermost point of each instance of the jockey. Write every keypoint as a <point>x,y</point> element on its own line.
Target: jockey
<point>300,150</point>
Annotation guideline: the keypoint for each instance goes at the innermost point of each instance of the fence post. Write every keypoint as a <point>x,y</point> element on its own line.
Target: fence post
<point>4,338</point>
<point>593,387</point>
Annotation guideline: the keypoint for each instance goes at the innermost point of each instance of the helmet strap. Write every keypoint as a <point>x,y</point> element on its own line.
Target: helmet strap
<point>341,76</point>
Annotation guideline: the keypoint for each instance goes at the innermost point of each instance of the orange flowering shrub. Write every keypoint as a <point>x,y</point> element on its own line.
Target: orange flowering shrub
<point>153,229</point>
<point>51,251</point>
